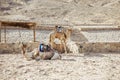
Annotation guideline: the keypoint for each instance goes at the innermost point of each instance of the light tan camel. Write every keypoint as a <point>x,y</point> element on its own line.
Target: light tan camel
<point>36,54</point>
<point>58,39</point>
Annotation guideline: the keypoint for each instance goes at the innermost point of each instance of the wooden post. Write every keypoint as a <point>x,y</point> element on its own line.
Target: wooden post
<point>34,33</point>
<point>81,48</point>
<point>0,31</point>
<point>5,34</point>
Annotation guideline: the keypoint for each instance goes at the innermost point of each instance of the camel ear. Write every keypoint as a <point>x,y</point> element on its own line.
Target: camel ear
<point>55,29</point>
<point>68,33</point>
<point>70,30</point>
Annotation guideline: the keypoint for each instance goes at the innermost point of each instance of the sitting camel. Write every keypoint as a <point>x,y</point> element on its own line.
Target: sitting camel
<point>58,39</point>
<point>46,54</point>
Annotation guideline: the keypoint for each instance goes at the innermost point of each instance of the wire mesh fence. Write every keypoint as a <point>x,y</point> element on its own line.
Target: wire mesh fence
<point>23,35</point>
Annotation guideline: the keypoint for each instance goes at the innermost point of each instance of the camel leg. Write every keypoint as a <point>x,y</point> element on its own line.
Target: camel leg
<point>23,47</point>
<point>36,55</point>
<point>24,54</point>
<point>65,48</point>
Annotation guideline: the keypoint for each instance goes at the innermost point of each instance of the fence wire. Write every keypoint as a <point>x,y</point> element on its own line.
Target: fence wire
<point>24,35</point>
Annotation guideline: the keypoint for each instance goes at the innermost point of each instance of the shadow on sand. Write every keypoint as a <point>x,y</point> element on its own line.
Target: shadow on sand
<point>87,55</point>
<point>68,59</point>
<point>94,55</point>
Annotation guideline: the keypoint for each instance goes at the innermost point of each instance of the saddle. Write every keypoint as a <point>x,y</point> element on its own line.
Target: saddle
<point>44,48</point>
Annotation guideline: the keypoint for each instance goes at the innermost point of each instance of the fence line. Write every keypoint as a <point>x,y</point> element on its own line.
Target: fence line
<point>44,27</point>
<point>78,24</point>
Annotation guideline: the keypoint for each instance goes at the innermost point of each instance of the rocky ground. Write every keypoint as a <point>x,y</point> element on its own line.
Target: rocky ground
<point>70,67</point>
<point>61,11</point>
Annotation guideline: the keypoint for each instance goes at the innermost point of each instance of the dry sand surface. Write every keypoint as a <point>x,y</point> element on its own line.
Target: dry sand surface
<point>71,67</point>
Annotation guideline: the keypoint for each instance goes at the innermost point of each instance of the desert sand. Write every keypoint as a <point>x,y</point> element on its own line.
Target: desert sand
<point>97,66</point>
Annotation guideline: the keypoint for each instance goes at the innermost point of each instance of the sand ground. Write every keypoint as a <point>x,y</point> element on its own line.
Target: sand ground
<point>71,67</point>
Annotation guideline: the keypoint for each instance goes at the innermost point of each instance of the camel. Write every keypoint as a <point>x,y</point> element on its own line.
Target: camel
<point>37,55</point>
<point>58,38</point>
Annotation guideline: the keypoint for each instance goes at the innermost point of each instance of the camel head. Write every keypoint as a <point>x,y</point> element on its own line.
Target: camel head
<point>59,29</point>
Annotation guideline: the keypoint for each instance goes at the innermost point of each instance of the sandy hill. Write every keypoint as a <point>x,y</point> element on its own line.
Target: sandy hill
<point>62,11</point>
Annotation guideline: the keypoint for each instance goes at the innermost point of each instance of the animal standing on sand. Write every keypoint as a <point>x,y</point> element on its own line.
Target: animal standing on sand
<point>36,54</point>
<point>58,38</point>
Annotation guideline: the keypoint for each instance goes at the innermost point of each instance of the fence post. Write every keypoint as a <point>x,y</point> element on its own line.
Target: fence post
<point>5,34</point>
<point>0,31</point>
<point>34,33</point>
